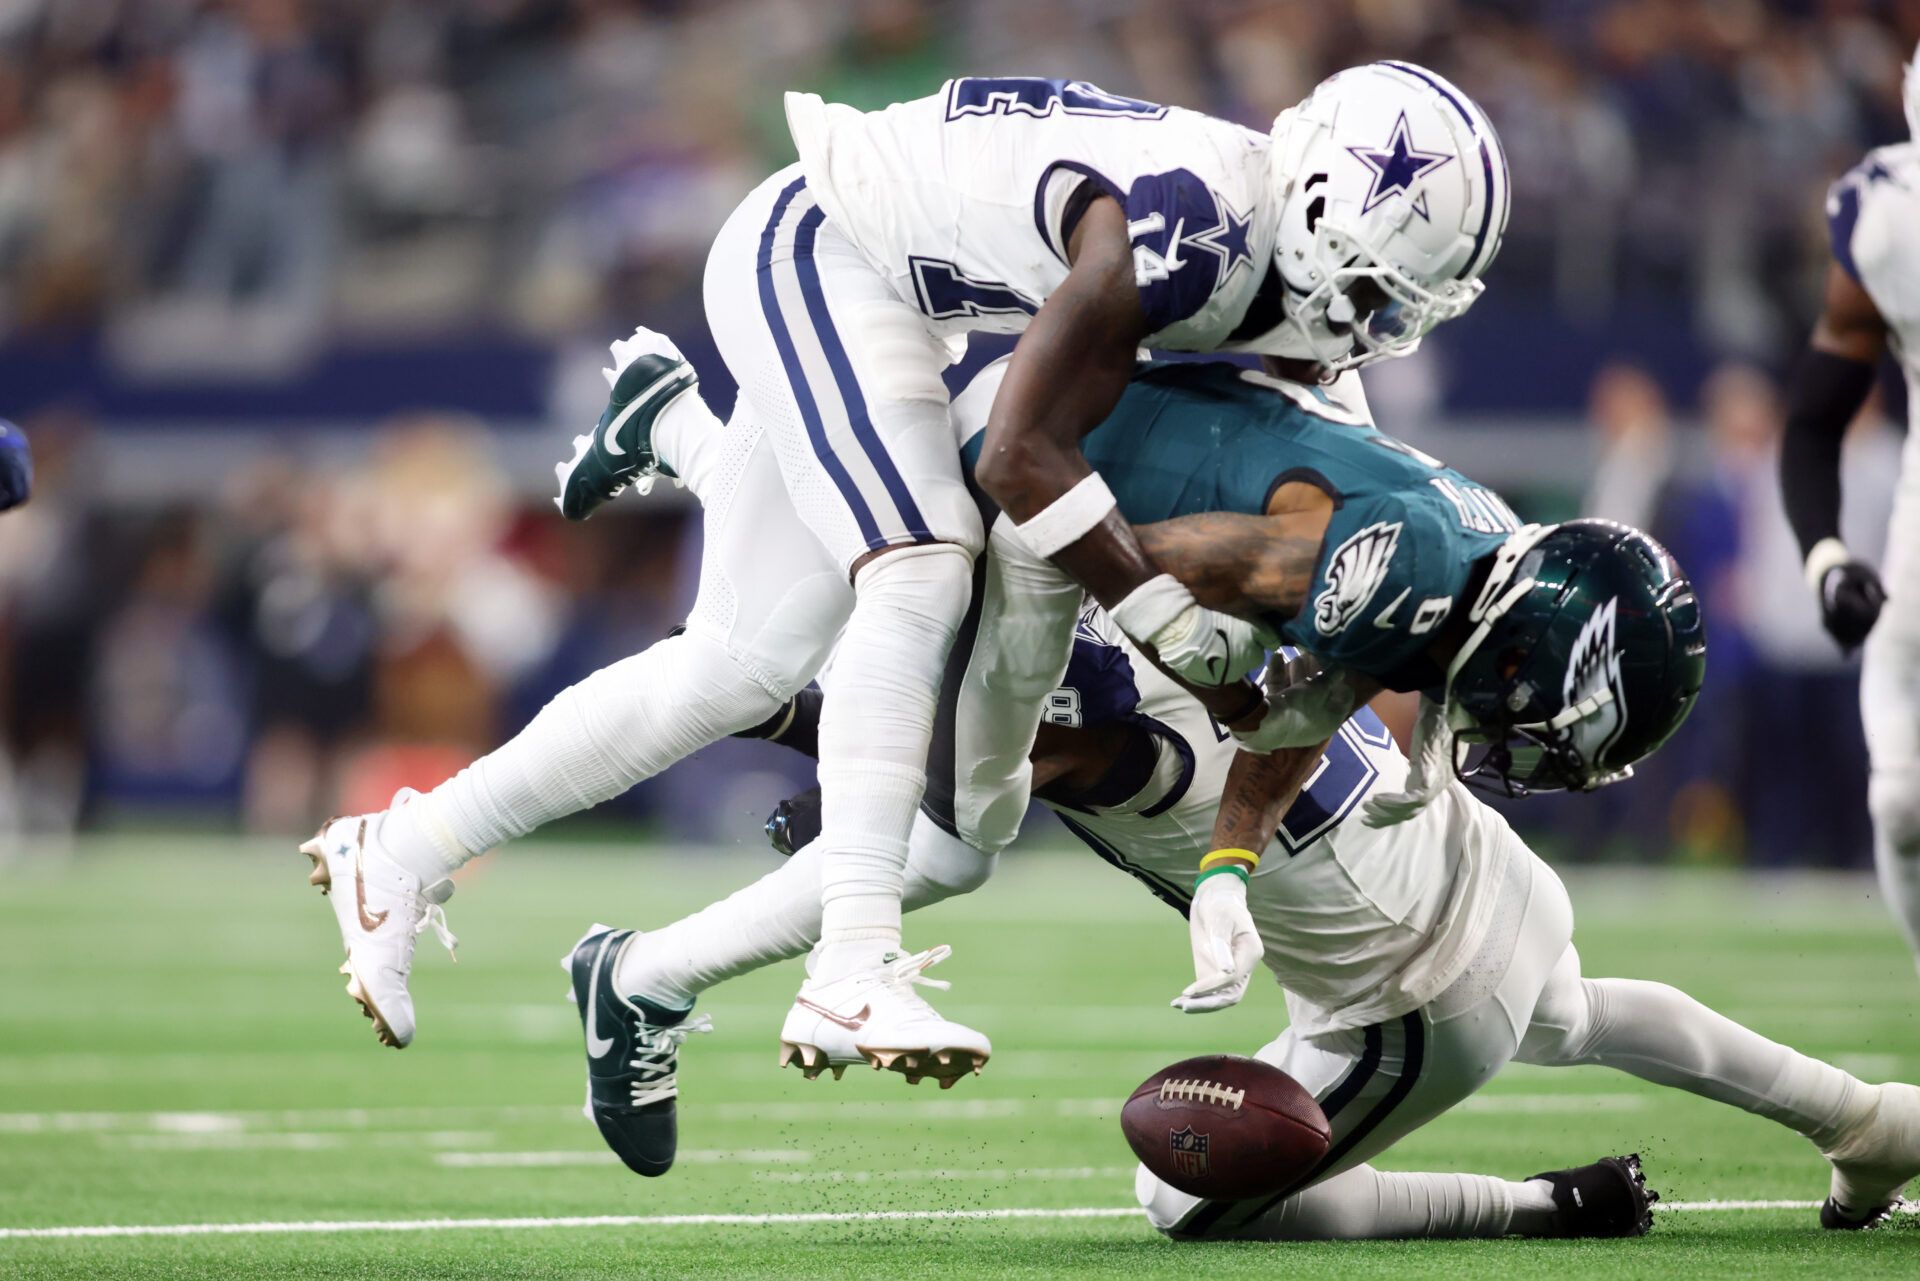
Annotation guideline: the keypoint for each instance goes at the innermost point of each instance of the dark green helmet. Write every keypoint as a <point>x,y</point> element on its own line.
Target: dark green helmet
<point>1587,655</point>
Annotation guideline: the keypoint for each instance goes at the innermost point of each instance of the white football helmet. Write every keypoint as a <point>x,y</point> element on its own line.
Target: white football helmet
<point>1393,195</point>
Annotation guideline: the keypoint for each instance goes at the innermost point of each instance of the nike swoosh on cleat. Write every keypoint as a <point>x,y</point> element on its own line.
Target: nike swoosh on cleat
<point>369,921</point>
<point>852,1024</point>
<point>597,1045</point>
<point>620,419</point>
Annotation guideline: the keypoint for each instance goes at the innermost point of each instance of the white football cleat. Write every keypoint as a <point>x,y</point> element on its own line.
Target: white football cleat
<point>382,910</point>
<point>875,1016</point>
<point>1874,1160</point>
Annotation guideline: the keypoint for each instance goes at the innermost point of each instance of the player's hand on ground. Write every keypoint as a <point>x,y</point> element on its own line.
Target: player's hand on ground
<point>1226,946</point>
<point>1851,597</point>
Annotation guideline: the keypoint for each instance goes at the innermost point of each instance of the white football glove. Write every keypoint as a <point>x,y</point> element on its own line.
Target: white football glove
<point>1429,770</point>
<point>1303,713</point>
<point>1199,645</point>
<point>1226,946</point>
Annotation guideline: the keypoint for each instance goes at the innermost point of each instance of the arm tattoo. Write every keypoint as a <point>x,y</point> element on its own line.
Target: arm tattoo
<point>1259,791</point>
<point>1241,564</point>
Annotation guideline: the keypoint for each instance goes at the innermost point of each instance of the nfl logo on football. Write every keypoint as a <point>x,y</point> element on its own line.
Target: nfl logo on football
<point>1189,1153</point>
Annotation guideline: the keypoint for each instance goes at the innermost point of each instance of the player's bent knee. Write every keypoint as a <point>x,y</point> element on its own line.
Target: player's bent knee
<point>1893,797</point>
<point>933,581</point>
<point>681,693</point>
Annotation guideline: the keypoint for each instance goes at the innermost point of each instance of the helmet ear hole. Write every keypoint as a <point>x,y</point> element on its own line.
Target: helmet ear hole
<point>1315,208</point>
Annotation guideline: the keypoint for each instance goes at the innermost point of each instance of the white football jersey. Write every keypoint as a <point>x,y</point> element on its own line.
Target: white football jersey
<point>964,201</point>
<point>1873,216</point>
<point>1360,924</point>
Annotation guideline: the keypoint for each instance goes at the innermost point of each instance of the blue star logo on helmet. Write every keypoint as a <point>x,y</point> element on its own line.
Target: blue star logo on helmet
<point>1397,167</point>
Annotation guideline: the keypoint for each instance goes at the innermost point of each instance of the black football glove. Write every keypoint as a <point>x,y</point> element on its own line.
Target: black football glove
<point>16,467</point>
<point>795,822</point>
<point>1850,600</point>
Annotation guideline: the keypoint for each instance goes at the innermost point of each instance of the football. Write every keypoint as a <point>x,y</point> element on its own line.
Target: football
<point>1226,1127</point>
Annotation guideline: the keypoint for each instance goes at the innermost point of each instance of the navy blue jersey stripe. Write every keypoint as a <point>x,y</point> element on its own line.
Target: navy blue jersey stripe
<point>1843,212</point>
<point>851,397</point>
<point>1188,765</point>
<point>1161,889</point>
<point>796,376</point>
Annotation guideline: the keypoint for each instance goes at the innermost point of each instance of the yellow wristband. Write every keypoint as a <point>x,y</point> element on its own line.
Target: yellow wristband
<point>1218,857</point>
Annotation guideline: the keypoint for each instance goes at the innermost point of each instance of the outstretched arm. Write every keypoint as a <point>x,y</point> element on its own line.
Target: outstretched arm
<point>1832,382</point>
<point>1226,945</point>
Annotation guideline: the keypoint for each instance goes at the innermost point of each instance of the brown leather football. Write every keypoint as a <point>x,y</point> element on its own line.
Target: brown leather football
<point>1225,1127</point>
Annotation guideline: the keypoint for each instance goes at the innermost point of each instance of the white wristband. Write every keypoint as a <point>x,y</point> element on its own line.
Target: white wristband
<point>1068,518</point>
<point>1151,608</point>
<point>1826,553</point>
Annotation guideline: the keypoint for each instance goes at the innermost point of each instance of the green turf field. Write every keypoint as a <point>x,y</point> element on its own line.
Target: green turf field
<point>175,1049</point>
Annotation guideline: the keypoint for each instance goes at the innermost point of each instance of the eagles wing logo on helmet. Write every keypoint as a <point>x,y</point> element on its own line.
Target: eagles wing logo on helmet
<point>1354,573</point>
<point>1594,667</point>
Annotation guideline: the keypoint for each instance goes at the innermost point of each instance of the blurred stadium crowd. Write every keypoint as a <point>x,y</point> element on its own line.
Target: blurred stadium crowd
<point>226,187</point>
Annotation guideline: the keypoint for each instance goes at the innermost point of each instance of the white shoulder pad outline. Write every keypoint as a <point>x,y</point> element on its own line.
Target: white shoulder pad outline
<point>1317,401</point>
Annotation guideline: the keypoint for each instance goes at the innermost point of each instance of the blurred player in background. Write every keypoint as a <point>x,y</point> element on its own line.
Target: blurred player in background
<point>1872,298</point>
<point>16,466</point>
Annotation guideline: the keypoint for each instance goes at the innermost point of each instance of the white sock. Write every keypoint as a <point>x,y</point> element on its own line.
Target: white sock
<point>686,440</point>
<point>874,731</point>
<point>778,916</point>
<point>1533,1208</point>
<point>1362,1204</point>
<point>624,723</point>
<point>1661,1034</point>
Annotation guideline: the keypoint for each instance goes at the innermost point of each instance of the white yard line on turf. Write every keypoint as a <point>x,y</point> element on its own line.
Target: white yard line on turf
<point>545,1160</point>
<point>944,1176</point>
<point>328,1226</point>
<point>917,1106</point>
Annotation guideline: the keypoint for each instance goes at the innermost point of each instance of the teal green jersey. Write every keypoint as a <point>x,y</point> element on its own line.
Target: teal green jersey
<point>1406,529</point>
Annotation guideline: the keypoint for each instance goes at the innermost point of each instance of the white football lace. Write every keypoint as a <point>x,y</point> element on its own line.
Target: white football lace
<point>435,917</point>
<point>656,1051</point>
<point>903,974</point>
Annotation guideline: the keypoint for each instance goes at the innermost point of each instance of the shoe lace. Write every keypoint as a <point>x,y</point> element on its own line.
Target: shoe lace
<point>656,1058</point>
<point>906,973</point>
<point>435,918</point>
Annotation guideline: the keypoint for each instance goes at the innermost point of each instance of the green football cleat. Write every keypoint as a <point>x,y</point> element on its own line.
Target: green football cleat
<point>649,374</point>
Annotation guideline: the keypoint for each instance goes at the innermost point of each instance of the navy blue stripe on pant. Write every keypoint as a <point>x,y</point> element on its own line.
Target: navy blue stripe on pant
<point>1413,1033</point>
<point>797,378</point>
<point>852,398</point>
